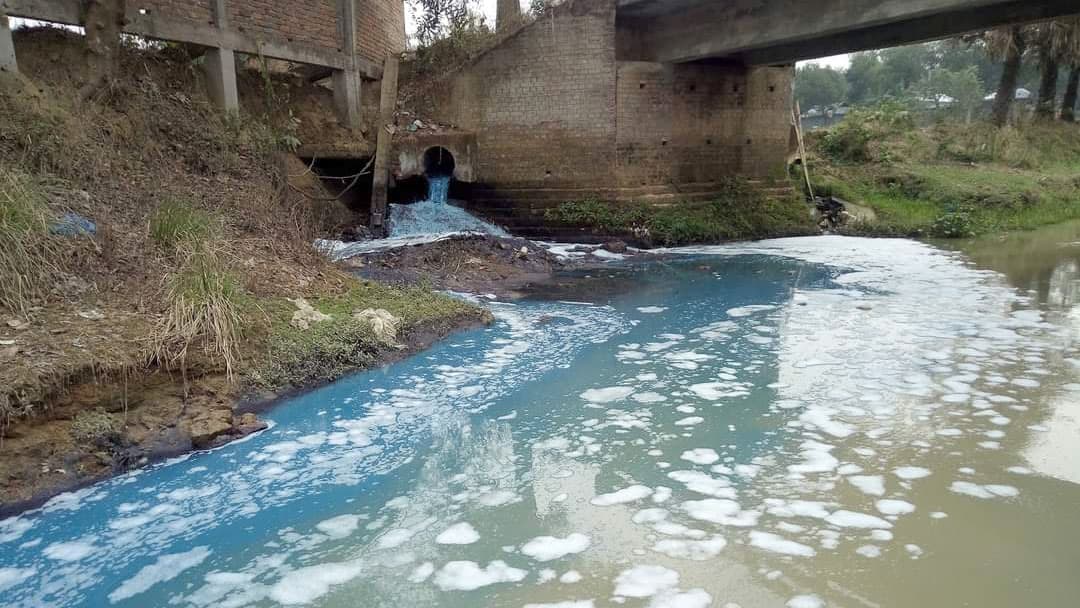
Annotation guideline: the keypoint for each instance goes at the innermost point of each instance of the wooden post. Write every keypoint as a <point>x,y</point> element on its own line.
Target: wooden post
<point>7,46</point>
<point>385,136</point>
<point>797,122</point>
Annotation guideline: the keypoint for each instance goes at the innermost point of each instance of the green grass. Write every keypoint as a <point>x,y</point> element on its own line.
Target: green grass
<point>954,180</point>
<point>178,224</point>
<point>739,213</point>
<point>294,357</point>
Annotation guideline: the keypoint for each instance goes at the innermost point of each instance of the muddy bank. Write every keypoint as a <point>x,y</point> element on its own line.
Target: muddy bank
<point>146,418</point>
<point>483,264</point>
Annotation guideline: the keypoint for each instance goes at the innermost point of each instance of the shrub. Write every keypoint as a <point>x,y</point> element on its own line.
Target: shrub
<point>954,225</point>
<point>851,139</point>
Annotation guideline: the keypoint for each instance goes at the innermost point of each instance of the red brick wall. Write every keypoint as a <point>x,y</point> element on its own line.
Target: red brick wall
<point>193,10</point>
<point>312,22</point>
<point>380,24</point>
<point>699,123</point>
<point>380,28</point>
<point>543,102</point>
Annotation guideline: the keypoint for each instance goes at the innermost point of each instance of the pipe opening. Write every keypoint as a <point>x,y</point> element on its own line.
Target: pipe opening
<point>438,162</point>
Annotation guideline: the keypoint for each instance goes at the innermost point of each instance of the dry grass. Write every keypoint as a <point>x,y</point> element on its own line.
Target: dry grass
<point>28,255</point>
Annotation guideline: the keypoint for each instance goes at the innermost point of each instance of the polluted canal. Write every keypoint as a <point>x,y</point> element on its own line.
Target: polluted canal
<point>804,422</point>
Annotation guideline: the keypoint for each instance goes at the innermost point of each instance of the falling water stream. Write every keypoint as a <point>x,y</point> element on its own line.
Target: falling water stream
<point>803,422</point>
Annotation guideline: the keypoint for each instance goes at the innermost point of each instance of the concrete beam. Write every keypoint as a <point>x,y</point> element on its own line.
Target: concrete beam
<point>7,47</point>
<point>181,30</point>
<point>221,79</point>
<point>782,31</point>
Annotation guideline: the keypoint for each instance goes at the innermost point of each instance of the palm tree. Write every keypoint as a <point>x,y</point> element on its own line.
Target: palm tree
<point>1057,41</point>
<point>1007,44</point>
<point>1071,56</point>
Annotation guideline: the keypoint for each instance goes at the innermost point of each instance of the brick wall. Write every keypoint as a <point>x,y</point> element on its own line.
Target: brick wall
<point>312,22</point>
<point>543,102</point>
<point>380,24</point>
<point>699,123</point>
<point>380,28</point>
<point>192,10</point>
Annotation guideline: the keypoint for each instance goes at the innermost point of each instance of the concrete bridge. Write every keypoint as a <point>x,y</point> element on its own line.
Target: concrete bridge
<point>760,32</point>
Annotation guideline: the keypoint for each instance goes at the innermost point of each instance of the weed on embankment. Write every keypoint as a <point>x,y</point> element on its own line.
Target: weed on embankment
<point>949,180</point>
<point>738,213</point>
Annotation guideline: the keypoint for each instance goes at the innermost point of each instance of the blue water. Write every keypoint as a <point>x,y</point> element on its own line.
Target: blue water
<point>436,215</point>
<point>725,397</point>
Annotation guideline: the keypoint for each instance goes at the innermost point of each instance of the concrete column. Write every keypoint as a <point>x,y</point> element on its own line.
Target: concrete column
<point>347,82</point>
<point>347,87</point>
<point>7,47</point>
<point>221,79</point>
<point>385,130</point>
<point>507,15</point>
<point>221,65</point>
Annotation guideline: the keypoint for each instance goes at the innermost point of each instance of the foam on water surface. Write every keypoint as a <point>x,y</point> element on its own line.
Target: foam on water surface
<point>638,443</point>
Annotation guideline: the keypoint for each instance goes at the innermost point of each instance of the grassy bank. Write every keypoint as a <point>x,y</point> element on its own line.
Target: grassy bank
<point>949,180</point>
<point>153,254</point>
<point>739,213</point>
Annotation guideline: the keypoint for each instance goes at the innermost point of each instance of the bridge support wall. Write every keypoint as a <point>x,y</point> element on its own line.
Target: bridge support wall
<point>558,116</point>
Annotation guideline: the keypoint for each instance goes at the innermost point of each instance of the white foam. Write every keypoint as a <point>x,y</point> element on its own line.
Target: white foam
<point>651,310</point>
<point>701,456</point>
<point>305,585</point>
<point>645,581</point>
<point>461,533</point>
<point>340,526</point>
<point>625,495</point>
<point>778,544</point>
<point>570,577</point>
<point>689,421</point>
<point>68,551</point>
<point>894,507</point>
<point>694,550</point>
<point>983,491</point>
<point>422,572</point>
<point>805,601</point>
<point>9,577</point>
<point>872,485</point>
<point>911,472</point>
<point>607,395</point>
<point>166,568</point>
<point>547,548</point>
<point>851,519</point>
<point>566,604</point>
<point>694,598</point>
<point>466,575</point>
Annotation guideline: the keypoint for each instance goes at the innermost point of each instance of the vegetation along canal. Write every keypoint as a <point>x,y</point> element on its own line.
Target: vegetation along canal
<point>809,422</point>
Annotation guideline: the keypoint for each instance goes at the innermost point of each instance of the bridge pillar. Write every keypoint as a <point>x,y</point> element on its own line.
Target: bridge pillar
<point>347,86</point>
<point>221,65</point>
<point>347,82</point>
<point>221,79</point>
<point>7,47</point>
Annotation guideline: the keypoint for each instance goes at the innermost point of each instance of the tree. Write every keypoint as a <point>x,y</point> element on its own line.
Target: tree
<point>905,65</point>
<point>819,86</point>
<point>963,86</point>
<point>1009,45</point>
<point>866,78</point>
<point>1071,56</point>
<point>436,19</point>
<point>1058,41</point>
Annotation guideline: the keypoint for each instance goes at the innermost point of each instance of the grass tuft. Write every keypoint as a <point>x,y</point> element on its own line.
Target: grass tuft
<point>206,305</point>
<point>178,224</point>
<point>27,252</point>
